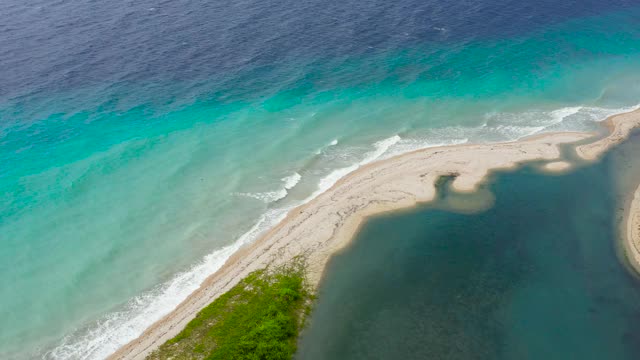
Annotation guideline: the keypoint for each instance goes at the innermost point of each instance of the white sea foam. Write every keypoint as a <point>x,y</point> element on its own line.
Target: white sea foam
<point>118,328</point>
<point>598,114</point>
<point>510,132</point>
<point>267,196</point>
<point>514,126</point>
<point>334,142</point>
<point>560,114</point>
<point>328,181</point>
<point>272,196</point>
<point>291,181</point>
<point>508,126</point>
<point>408,145</point>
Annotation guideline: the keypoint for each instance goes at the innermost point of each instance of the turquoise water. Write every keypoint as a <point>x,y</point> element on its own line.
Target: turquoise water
<point>140,146</point>
<point>537,276</point>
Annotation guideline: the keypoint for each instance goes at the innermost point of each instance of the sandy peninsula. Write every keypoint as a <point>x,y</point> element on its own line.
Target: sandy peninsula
<point>327,223</point>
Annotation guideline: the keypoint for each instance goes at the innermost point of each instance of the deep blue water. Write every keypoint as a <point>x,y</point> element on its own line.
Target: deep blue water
<point>142,142</point>
<point>231,50</point>
<point>537,276</point>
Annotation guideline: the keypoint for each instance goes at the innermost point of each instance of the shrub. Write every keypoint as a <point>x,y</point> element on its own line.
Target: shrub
<point>258,319</point>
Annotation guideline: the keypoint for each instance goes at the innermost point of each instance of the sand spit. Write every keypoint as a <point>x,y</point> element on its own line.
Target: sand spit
<point>326,224</point>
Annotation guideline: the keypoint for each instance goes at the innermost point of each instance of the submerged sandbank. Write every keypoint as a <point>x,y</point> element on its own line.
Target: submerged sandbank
<point>558,166</point>
<point>326,224</point>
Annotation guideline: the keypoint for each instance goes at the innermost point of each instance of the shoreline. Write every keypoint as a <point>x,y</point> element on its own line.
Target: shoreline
<point>326,224</point>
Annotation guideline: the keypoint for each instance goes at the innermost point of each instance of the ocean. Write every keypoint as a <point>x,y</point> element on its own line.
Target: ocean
<point>143,142</point>
<point>539,275</point>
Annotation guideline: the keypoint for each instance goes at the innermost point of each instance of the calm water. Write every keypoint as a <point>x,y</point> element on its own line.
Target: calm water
<point>142,142</point>
<point>536,276</point>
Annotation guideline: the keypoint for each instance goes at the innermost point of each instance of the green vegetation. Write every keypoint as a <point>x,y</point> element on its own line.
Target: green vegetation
<point>258,319</point>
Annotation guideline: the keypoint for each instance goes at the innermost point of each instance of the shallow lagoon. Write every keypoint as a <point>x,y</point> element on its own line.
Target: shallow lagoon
<point>537,275</point>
